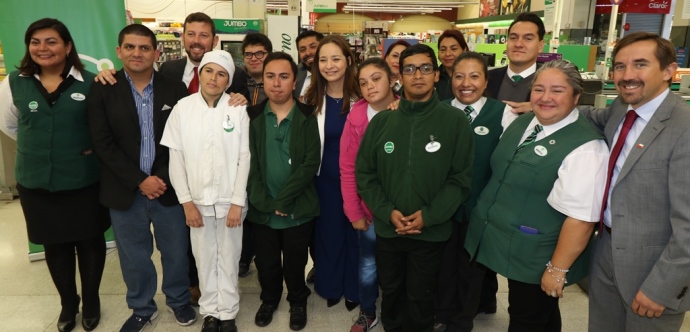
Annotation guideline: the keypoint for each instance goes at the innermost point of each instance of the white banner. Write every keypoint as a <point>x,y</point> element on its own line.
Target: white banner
<point>283,31</point>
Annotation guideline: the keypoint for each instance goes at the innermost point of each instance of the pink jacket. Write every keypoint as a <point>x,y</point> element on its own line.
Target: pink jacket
<point>355,125</point>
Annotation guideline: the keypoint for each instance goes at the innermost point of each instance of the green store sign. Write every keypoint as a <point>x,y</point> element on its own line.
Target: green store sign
<point>237,26</point>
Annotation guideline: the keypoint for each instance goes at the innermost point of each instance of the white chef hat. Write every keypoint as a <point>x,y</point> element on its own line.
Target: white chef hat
<point>221,58</point>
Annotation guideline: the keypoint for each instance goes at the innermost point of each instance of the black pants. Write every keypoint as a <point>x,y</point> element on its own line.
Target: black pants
<point>489,290</point>
<point>292,243</point>
<point>408,273</point>
<point>459,283</point>
<point>247,243</point>
<point>531,310</point>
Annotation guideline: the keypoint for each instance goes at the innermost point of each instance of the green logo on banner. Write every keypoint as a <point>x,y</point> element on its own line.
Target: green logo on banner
<point>389,147</point>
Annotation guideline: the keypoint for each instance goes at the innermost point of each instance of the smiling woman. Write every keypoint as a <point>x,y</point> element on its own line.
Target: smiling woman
<point>44,110</point>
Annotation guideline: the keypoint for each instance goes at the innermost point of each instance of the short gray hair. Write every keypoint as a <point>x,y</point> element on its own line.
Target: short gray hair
<point>569,69</point>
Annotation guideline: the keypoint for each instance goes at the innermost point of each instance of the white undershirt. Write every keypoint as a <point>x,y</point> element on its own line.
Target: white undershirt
<point>307,83</point>
<point>525,73</point>
<point>188,72</point>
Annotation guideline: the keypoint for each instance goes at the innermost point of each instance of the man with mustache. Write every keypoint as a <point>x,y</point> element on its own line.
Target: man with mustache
<point>307,42</point>
<point>639,273</point>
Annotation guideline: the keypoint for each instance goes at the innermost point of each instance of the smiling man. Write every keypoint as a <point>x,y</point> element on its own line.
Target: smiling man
<point>413,171</point>
<point>639,275</point>
<point>307,42</point>
<point>126,121</point>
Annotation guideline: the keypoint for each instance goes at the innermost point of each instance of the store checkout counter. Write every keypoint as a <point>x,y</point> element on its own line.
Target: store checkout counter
<point>609,93</point>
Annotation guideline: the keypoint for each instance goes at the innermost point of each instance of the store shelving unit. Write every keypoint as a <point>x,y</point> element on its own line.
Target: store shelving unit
<point>170,49</point>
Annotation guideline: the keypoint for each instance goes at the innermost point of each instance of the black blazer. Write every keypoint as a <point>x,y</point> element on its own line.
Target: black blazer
<point>114,126</point>
<point>175,69</point>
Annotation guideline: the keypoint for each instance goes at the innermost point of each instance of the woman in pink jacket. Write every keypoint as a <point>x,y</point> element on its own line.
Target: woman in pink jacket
<point>376,84</point>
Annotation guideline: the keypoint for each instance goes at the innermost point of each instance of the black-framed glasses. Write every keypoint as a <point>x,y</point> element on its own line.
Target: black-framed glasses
<point>259,55</point>
<point>425,69</point>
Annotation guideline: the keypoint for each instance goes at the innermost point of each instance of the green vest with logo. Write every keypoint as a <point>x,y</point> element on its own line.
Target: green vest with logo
<point>487,132</point>
<point>54,148</point>
<point>516,196</point>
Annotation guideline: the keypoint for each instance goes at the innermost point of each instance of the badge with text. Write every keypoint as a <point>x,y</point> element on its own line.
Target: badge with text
<point>228,125</point>
<point>78,96</point>
<point>481,130</point>
<point>432,146</point>
<point>389,147</point>
<point>33,106</point>
<point>540,150</point>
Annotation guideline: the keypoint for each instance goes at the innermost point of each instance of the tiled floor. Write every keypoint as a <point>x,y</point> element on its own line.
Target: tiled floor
<point>29,301</point>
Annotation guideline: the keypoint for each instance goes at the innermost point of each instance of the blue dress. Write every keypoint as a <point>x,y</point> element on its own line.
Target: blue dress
<point>335,240</point>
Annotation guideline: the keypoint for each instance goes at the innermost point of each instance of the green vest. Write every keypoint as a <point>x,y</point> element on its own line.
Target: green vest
<point>487,132</point>
<point>54,147</point>
<point>516,196</point>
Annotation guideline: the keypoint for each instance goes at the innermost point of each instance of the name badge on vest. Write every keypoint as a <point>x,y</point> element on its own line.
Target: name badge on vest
<point>540,150</point>
<point>481,130</point>
<point>78,96</point>
<point>228,125</point>
<point>33,106</point>
<point>432,146</point>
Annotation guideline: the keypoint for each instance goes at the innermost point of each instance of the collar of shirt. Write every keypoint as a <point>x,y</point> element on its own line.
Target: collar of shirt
<point>647,110</point>
<point>525,73</point>
<point>148,86</point>
<point>477,106</point>
<point>268,112</point>
<point>72,72</point>
<point>188,73</point>
<point>550,129</point>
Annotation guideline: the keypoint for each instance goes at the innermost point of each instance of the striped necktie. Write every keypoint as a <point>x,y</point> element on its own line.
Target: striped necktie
<point>531,138</point>
<point>468,110</point>
<point>516,78</point>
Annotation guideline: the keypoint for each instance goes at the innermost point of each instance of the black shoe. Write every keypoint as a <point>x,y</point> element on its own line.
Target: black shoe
<point>311,275</point>
<point>211,324</point>
<point>298,318</point>
<point>244,269</point>
<point>68,317</point>
<point>265,314</point>
<point>89,324</point>
<point>332,302</point>
<point>350,305</point>
<point>66,326</point>
<point>92,309</point>
<point>228,326</point>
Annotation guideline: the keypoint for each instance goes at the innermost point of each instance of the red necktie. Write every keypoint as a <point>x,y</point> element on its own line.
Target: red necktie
<point>194,83</point>
<point>630,118</point>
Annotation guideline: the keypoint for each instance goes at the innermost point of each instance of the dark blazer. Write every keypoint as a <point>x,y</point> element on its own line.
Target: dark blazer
<point>299,83</point>
<point>175,69</point>
<point>114,126</point>
<point>496,76</point>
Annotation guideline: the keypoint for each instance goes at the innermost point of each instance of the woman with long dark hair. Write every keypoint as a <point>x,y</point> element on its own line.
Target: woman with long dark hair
<point>44,109</point>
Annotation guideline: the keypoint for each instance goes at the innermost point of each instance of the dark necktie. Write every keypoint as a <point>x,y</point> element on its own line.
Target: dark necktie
<point>468,110</point>
<point>531,138</point>
<point>630,118</point>
<point>516,78</point>
<point>194,83</point>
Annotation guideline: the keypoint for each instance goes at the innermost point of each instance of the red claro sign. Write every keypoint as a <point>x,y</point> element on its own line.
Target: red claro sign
<point>635,6</point>
<point>626,26</point>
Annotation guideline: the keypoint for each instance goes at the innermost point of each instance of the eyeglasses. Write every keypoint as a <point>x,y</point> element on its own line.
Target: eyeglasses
<point>425,69</point>
<point>259,55</point>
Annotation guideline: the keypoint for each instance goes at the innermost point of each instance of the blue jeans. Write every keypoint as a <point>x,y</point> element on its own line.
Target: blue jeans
<point>368,279</point>
<point>135,246</point>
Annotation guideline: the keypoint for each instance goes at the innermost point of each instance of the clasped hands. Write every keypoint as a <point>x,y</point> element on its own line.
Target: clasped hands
<point>407,225</point>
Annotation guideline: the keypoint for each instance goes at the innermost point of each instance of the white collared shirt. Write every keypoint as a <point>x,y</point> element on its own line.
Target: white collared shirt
<point>525,73</point>
<point>9,114</point>
<point>645,113</point>
<point>506,120</point>
<point>188,72</point>
<point>307,83</point>
<point>578,191</point>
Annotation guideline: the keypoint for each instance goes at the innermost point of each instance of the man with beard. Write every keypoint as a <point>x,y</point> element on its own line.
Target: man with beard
<point>307,42</point>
